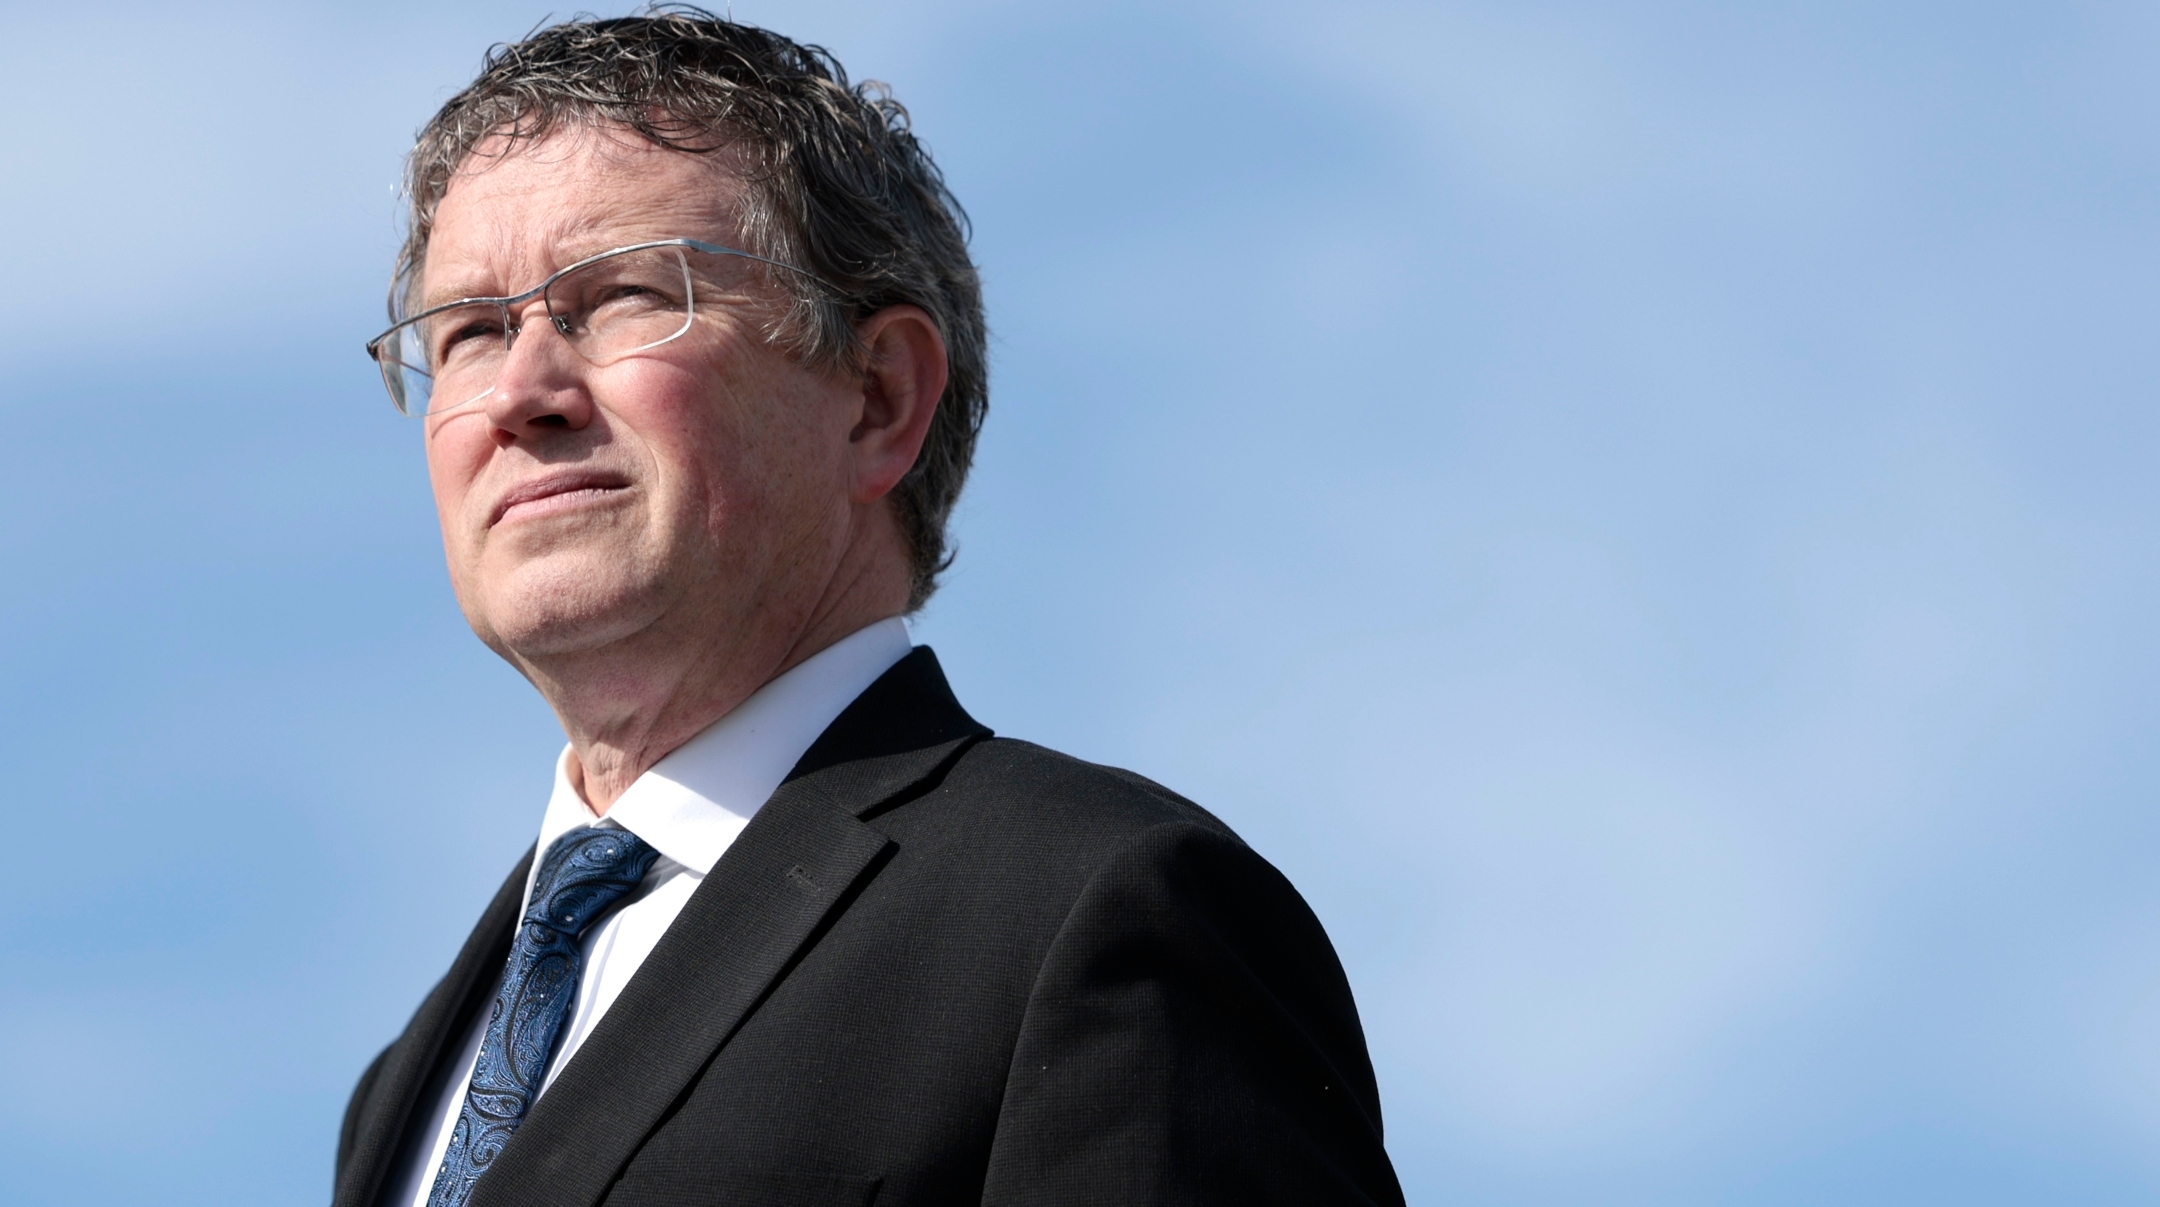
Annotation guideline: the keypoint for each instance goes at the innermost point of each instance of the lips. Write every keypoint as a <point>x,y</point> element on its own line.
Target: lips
<point>555,486</point>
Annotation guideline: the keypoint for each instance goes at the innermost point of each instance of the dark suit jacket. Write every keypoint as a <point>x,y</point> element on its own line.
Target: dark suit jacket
<point>938,968</point>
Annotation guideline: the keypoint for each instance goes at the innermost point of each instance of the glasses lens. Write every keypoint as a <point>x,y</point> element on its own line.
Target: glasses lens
<point>404,368</point>
<point>462,349</point>
<point>624,303</point>
<point>445,360</point>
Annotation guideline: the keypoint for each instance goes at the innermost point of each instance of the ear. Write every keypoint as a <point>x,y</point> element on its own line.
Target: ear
<point>903,378</point>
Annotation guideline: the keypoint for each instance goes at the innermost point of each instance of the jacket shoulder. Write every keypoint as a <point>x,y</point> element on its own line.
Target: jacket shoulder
<point>1018,830</point>
<point>1053,796</point>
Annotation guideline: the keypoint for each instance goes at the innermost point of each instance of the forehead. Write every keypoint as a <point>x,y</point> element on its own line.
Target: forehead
<point>512,214</point>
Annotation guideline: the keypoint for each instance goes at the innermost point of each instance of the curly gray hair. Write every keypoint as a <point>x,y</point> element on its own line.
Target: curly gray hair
<point>839,184</point>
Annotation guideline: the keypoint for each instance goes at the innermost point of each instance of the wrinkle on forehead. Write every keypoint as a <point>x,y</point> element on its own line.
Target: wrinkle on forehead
<point>516,211</point>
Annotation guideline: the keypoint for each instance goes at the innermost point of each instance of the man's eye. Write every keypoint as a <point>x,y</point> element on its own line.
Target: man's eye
<point>466,336</point>
<point>629,293</point>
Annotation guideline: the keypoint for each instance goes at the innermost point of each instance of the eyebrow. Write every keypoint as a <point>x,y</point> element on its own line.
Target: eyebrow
<point>432,300</point>
<point>457,290</point>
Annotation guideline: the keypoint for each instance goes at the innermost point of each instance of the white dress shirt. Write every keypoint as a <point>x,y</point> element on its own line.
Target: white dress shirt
<point>689,806</point>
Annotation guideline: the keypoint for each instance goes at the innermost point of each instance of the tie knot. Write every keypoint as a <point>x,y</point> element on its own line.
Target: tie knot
<point>583,873</point>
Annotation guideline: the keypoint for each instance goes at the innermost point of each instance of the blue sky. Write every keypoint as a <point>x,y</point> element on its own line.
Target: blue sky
<point>1643,510</point>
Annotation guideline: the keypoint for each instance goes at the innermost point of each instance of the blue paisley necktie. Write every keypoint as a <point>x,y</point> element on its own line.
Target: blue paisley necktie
<point>583,873</point>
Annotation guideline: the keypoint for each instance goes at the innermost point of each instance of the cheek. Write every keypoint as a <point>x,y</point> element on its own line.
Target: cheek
<point>786,485</point>
<point>747,448</point>
<point>457,451</point>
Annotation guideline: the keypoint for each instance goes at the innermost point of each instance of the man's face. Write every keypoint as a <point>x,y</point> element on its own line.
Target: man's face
<point>700,486</point>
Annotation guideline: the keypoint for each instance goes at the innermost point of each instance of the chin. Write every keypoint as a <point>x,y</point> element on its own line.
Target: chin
<point>556,609</point>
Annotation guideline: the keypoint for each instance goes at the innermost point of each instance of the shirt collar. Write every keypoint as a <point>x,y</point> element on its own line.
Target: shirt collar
<point>691,804</point>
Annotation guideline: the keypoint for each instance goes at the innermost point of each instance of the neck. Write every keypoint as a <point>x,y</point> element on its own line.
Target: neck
<point>625,706</point>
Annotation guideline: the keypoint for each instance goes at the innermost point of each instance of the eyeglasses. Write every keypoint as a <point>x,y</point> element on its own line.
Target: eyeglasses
<point>608,306</point>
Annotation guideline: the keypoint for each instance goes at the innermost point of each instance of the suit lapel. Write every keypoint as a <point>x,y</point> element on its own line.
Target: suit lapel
<point>794,867</point>
<point>405,1070</point>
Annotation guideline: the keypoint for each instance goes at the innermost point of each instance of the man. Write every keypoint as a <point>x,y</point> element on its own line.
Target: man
<point>692,333</point>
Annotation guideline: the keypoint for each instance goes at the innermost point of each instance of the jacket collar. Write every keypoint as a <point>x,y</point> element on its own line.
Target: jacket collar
<point>901,729</point>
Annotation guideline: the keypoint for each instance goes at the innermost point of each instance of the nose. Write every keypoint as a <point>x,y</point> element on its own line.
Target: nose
<point>542,387</point>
